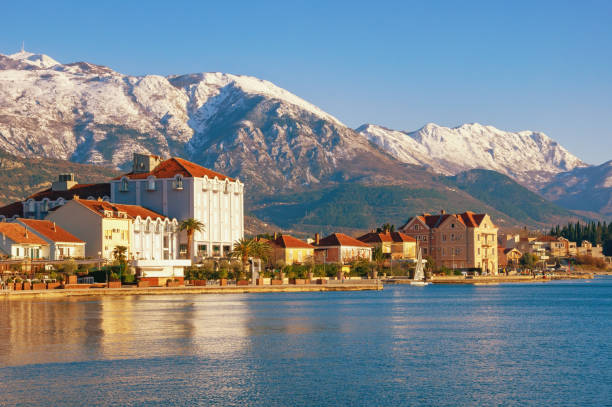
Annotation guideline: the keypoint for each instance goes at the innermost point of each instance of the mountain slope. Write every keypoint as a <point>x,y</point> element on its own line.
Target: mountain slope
<point>19,178</point>
<point>507,196</point>
<point>239,125</point>
<point>531,158</point>
<point>584,189</point>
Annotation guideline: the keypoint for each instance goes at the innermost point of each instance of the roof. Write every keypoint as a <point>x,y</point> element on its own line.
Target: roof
<point>50,230</point>
<point>173,166</point>
<point>10,210</point>
<point>286,241</point>
<point>82,190</point>
<point>468,218</point>
<point>340,239</point>
<point>509,249</point>
<point>374,237</point>
<point>18,233</point>
<point>132,211</point>
<point>548,239</point>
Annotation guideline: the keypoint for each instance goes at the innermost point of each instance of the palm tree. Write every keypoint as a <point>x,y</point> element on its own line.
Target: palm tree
<point>379,257</point>
<point>247,248</point>
<point>191,226</point>
<point>120,256</point>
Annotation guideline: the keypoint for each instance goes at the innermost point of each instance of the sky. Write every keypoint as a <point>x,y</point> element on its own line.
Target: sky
<point>533,65</point>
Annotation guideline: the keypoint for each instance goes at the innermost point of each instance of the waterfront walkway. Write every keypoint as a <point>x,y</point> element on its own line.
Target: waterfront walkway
<point>212,289</point>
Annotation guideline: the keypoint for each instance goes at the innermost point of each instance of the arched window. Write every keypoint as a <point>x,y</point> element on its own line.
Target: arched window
<point>45,205</point>
<point>151,183</point>
<point>31,205</point>
<point>178,182</point>
<point>124,185</point>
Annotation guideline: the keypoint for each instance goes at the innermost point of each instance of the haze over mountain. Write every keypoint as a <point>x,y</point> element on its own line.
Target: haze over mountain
<point>531,158</point>
<point>583,189</point>
<point>282,147</point>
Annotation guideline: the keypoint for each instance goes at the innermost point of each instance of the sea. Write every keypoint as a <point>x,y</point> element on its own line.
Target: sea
<point>540,344</point>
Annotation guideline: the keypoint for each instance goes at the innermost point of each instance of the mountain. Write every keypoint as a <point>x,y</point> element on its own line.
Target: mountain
<point>302,167</point>
<point>583,189</point>
<point>19,178</point>
<point>238,125</point>
<point>509,197</point>
<point>530,158</point>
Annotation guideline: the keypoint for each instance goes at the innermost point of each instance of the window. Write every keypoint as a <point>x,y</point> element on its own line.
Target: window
<point>178,182</point>
<point>227,250</point>
<point>443,251</point>
<point>444,238</point>
<point>183,248</point>
<point>216,250</point>
<point>124,185</point>
<point>424,250</point>
<point>452,236</point>
<point>151,183</point>
<point>479,250</point>
<point>17,251</point>
<point>45,205</point>
<point>202,250</point>
<point>452,225</point>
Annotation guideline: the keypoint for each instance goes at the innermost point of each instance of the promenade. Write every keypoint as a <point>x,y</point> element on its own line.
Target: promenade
<point>212,289</point>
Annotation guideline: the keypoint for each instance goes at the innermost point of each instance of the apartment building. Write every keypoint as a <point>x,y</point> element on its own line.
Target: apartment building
<point>180,189</point>
<point>460,241</point>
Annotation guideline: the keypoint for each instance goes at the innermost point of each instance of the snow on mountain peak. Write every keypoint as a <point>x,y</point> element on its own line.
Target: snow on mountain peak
<point>36,60</point>
<point>529,157</point>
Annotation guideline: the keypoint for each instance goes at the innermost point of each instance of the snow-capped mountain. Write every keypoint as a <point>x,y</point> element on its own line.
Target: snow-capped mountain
<point>585,189</point>
<point>239,125</point>
<point>531,158</point>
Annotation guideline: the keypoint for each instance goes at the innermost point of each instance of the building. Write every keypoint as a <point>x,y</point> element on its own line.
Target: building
<point>38,205</point>
<point>459,241</point>
<point>102,225</point>
<point>290,250</point>
<point>151,239</point>
<point>180,189</point>
<point>395,245</point>
<point>513,257</point>
<point>62,244</point>
<point>340,248</point>
<point>16,242</point>
<point>587,249</point>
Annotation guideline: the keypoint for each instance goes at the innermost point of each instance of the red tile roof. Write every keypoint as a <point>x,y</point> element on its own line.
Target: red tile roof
<point>374,237</point>
<point>468,218</point>
<point>173,166</point>
<point>286,241</point>
<point>340,239</point>
<point>50,230</point>
<point>132,211</point>
<point>18,233</point>
<point>547,239</point>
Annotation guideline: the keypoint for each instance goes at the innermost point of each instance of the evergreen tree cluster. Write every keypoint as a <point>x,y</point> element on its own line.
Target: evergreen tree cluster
<point>594,232</point>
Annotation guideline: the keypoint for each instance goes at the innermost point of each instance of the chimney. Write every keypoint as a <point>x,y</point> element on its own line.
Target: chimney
<point>275,235</point>
<point>54,229</point>
<point>75,197</point>
<point>317,237</point>
<point>144,163</point>
<point>64,182</point>
<point>100,199</point>
<point>26,232</point>
<point>442,211</point>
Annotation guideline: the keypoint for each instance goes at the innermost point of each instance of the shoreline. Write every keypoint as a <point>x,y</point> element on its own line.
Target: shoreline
<point>90,292</point>
<point>494,280</point>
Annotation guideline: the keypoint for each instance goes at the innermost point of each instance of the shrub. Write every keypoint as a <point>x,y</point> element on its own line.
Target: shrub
<point>591,261</point>
<point>69,267</point>
<point>128,278</point>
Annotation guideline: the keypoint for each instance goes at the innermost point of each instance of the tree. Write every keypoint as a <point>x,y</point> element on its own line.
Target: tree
<point>607,247</point>
<point>528,260</point>
<point>249,248</point>
<point>387,227</point>
<point>120,256</point>
<point>379,258</point>
<point>191,226</point>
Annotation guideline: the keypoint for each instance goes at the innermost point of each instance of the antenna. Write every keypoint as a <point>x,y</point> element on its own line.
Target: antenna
<point>22,46</point>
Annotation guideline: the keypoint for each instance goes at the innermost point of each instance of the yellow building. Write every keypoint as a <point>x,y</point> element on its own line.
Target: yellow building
<point>290,250</point>
<point>459,241</point>
<point>103,225</point>
<point>395,245</point>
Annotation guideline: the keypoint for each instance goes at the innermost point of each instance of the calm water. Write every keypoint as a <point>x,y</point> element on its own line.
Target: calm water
<point>541,344</point>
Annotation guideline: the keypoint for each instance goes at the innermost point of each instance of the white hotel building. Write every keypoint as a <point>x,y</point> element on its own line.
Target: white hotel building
<point>180,189</point>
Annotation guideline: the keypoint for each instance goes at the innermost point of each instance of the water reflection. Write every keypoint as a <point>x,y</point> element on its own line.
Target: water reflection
<point>431,346</point>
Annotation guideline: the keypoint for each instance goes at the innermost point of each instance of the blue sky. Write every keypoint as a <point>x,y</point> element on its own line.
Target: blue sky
<point>516,65</point>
